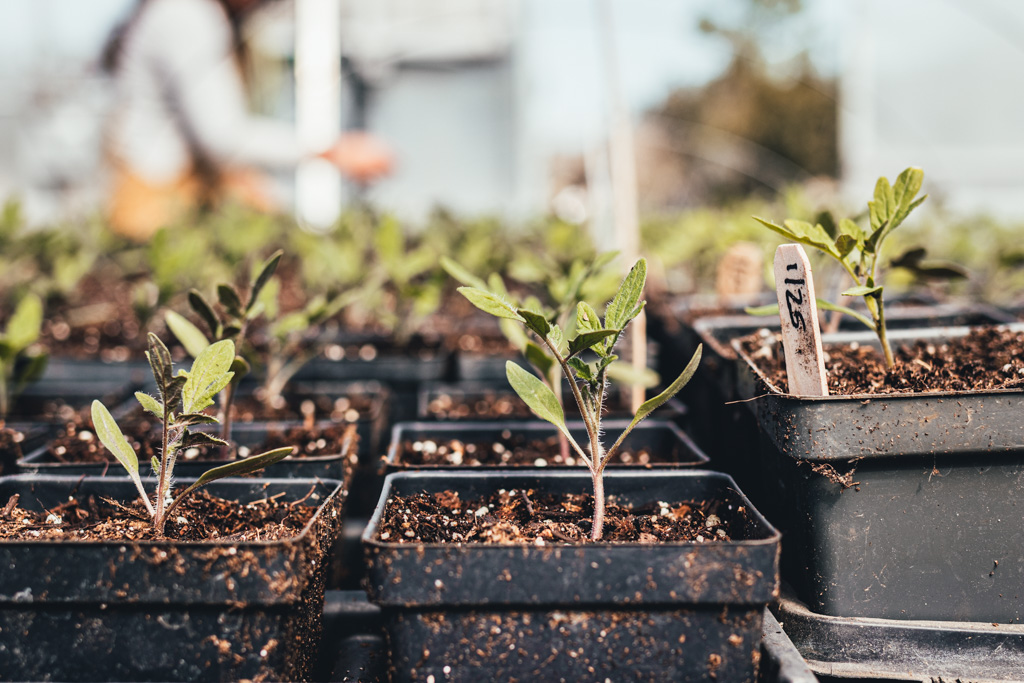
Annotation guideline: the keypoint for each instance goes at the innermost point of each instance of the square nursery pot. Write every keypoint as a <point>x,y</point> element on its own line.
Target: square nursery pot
<point>896,506</point>
<point>51,400</point>
<point>670,611</point>
<point>164,610</point>
<point>496,400</point>
<point>252,435</point>
<point>726,429</point>
<point>668,446</point>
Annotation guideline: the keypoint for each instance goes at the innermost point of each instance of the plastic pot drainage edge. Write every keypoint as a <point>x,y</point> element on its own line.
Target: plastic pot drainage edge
<point>683,611</point>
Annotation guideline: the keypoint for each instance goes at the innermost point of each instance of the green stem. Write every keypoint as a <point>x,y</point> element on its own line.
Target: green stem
<point>163,480</point>
<point>597,529</point>
<point>882,335</point>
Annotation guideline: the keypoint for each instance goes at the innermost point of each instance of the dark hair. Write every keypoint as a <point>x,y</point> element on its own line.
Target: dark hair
<point>110,56</point>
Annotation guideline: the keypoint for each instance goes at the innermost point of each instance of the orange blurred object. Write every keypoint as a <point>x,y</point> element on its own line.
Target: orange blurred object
<point>361,157</point>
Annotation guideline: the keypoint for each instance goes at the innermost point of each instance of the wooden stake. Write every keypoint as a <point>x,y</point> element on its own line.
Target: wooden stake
<point>801,338</point>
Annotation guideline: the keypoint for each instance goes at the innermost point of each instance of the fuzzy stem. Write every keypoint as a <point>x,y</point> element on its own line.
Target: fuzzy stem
<point>597,529</point>
<point>882,334</point>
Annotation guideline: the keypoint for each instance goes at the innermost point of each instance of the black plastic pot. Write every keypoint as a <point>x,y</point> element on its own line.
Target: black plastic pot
<point>62,369</point>
<point>674,611</point>
<point>474,392</point>
<point>896,506</point>
<point>149,610</point>
<point>252,435</point>
<point>354,647</point>
<point>854,648</point>
<point>52,400</point>
<point>675,447</point>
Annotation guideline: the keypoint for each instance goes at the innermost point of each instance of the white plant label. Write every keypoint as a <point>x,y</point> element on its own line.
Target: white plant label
<point>801,337</point>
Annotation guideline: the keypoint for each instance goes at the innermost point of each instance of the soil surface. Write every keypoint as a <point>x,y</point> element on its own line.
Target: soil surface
<point>77,442</point>
<point>498,404</point>
<point>514,451</point>
<point>985,359</point>
<point>348,408</point>
<point>526,516</point>
<point>201,517</point>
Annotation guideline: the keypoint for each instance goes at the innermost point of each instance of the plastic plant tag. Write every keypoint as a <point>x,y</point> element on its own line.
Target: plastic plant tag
<point>801,337</point>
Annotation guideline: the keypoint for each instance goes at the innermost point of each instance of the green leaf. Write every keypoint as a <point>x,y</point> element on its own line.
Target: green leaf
<point>650,405</point>
<point>266,272</point>
<point>828,222</point>
<point>883,207</point>
<point>155,464</point>
<point>539,358</point>
<point>829,306</point>
<point>557,339</point>
<point>587,340</point>
<point>160,363</point>
<point>248,465</point>
<point>767,309</point>
<point>192,419</point>
<point>194,439</point>
<point>535,321</point>
<point>25,323</point>
<point>205,311</point>
<point>587,319</point>
<point>491,303</point>
<point>619,311</point>
<point>537,395</point>
<point>229,299</point>
<point>190,336</point>
<point>239,368</point>
<point>804,233</point>
<point>150,404</point>
<point>845,244</point>
<point>908,184</point>
<point>850,228</point>
<point>583,370</point>
<point>462,275</point>
<point>209,374</point>
<point>862,290</point>
<point>235,469</point>
<point>113,438</point>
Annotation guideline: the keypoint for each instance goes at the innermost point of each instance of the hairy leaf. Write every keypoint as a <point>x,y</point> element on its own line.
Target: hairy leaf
<point>229,299</point>
<point>192,419</point>
<point>491,303</point>
<point>190,336</point>
<point>244,466</point>
<point>194,439</point>
<point>587,340</point>
<point>160,362</point>
<point>150,404</point>
<point>463,276</point>
<point>539,358</point>
<point>583,370</point>
<point>587,319</point>
<point>804,233</point>
<point>537,395</point>
<point>210,373</point>
<point>266,272</point>
<point>908,184</point>
<point>535,321</point>
<point>113,438</point>
<point>205,311</point>
<point>845,244</point>
<point>650,405</point>
<point>850,228</point>
<point>624,303</point>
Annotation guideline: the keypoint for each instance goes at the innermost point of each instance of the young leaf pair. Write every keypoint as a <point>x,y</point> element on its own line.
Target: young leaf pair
<point>588,380</point>
<point>182,398</point>
<point>859,251</point>
<point>18,365</point>
<point>230,322</point>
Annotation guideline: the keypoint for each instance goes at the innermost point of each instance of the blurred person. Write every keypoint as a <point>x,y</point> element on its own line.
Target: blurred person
<point>180,136</point>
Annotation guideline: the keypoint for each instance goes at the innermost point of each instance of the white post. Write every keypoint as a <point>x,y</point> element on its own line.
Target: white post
<point>624,192</point>
<point>317,108</point>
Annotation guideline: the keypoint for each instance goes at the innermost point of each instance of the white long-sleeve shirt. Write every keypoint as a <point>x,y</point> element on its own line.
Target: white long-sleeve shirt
<point>178,87</point>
